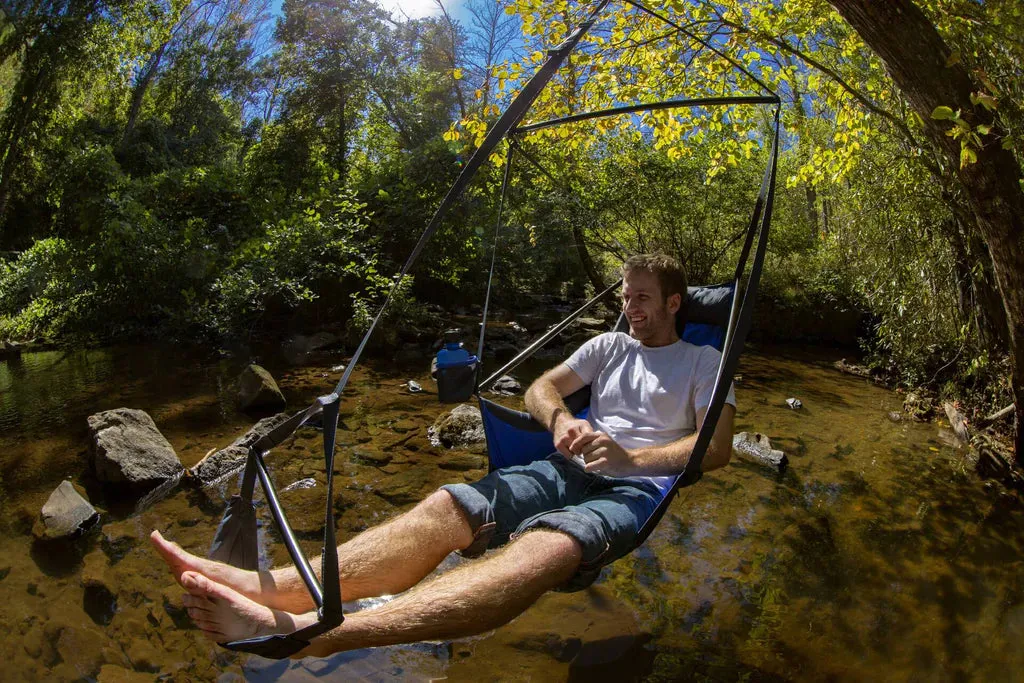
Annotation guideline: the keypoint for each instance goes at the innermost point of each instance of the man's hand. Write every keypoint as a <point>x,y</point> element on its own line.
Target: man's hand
<point>567,430</point>
<point>603,454</point>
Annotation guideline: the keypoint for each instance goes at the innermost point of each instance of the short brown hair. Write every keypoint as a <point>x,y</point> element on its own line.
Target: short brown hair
<point>670,273</point>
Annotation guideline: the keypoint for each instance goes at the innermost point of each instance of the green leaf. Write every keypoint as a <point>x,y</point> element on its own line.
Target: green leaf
<point>942,113</point>
<point>967,156</point>
<point>983,129</point>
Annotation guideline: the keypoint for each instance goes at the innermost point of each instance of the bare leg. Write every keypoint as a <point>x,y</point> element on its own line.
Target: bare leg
<point>386,559</point>
<point>470,599</point>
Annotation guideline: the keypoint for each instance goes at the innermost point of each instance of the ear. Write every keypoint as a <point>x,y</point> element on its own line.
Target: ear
<point>674,302</point>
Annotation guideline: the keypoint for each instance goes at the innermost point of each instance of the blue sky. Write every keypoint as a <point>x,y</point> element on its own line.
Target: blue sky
<point>412,8</point>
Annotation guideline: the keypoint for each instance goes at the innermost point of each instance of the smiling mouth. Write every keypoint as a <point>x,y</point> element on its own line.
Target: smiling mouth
<point>633,320</point>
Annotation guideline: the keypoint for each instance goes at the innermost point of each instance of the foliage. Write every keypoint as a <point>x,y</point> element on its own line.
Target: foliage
<point>316,249</point>
<point>201,168</point>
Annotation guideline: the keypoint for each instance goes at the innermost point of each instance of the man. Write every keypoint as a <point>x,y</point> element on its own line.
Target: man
<point>560,519</point>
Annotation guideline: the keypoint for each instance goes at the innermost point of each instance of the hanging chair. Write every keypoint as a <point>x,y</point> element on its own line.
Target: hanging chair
<point>715,317</point>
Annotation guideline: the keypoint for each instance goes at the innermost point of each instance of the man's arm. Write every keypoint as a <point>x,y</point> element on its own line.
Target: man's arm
<point>544,401</point>
<point>607,457</point>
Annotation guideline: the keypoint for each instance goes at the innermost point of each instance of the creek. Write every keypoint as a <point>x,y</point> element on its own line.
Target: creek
<point>877,555</point>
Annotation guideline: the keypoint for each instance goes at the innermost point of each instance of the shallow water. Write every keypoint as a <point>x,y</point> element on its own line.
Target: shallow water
<point>873,557</point>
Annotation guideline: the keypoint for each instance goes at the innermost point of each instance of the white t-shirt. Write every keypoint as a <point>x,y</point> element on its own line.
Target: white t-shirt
<point>646,396</point>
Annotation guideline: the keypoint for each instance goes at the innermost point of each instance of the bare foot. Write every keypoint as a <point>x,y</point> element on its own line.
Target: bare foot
<point>180,561</point>
<point>280,589</point>
<point>223,614</point>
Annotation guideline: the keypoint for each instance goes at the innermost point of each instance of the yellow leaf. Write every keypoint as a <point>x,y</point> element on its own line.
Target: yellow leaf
<point>457,74</point>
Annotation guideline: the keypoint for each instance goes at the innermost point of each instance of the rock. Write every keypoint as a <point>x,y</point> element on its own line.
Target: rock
<point>366,456</point>
<point>111,673</point>
<point>305,508</point>
<point>410,485</point>
<point>257,390</point>
<point>65,514</point>
<point>9,349</point>
<point>502,350</point>
<point>917,406</point>
<point>129,449</point>
<point>411,353</point>
<point>404,426</point>
<point>99,599</point>
<point>794,403</point>
<point>414,387</point>
<point>307,483</point>
<point>758,448</point>
<point>851,369</point>
<point>299,346</point>
<point>85,650</point>
<point>118,538</point>
<point>227,460</point>
<point>595,324</point>
<point>463,426</point>
<point>506,385</point>
<point>463,462</point>
<point>894,416</point>
<point>957,422</point>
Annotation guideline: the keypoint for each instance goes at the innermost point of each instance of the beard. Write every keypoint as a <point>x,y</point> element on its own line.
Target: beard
<point>656,322</point>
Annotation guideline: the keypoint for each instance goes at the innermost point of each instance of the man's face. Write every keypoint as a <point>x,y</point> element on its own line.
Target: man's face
<point>651,318</point>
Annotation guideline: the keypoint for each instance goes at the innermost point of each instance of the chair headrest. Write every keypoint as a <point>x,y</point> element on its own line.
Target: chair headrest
<point>709,304</point>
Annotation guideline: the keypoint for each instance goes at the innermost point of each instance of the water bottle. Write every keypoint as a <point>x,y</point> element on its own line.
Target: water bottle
<point>455,370</point>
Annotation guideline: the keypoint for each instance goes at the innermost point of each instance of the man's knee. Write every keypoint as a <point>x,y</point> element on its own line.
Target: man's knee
<point>441,508</point>
<point>555,553</point>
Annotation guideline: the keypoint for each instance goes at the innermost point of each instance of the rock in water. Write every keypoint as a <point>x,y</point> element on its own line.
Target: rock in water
<point>414,387</point>
<point>758,448</point>
<point>230,459</point>
<point>794,403</point>
<point>506,385</point>
<point>257,390</point>
<point>129,449</point>
<point>461,427</point>
<point>65,514</point>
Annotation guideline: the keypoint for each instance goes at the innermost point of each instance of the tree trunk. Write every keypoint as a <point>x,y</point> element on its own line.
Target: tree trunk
<point>139,93</point>
<point>588,263</point>
<point>917,58</point>
<point>20,112</point>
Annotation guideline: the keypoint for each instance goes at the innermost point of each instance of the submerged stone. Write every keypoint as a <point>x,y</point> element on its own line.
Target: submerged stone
<point>65,514</point>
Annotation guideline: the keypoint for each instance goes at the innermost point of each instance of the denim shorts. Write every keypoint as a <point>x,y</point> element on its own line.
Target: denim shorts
<point>602,513</point>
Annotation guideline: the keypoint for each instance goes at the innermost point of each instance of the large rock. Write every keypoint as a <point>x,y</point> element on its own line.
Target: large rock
<point>65,514</point>
<point>227,460</point>
<point>257,390</point>
<point>461,427</point>
<point>129,449</point>
<point>758,448</point>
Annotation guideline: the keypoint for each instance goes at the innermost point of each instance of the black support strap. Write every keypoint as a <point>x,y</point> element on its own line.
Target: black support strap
<point>740,319</point>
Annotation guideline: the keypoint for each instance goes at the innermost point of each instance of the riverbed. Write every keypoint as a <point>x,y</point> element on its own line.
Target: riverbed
<point>876,555</point>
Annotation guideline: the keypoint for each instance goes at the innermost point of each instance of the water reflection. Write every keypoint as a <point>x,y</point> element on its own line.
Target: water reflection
<point>872,557</point>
